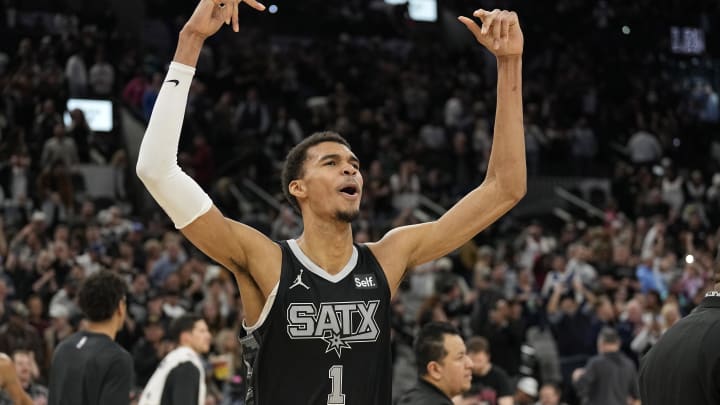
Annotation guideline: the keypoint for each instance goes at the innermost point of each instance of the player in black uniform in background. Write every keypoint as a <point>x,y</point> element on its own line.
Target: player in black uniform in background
<point>318,306</point>
<point>88,367</point>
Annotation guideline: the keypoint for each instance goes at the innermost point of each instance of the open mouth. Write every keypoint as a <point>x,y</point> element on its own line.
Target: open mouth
<point>349,190</point>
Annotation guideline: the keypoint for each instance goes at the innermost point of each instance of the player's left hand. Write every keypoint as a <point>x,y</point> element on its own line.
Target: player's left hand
<point>500,32</point>
<point>230,10</point>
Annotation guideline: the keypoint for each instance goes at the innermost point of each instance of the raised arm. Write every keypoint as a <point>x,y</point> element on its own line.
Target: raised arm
<point>505,183</point>
<point>237,246</point>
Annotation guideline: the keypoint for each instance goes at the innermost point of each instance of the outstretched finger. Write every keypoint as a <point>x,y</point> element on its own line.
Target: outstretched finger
<point>235,17</point>
<point>255,4</point>
<point>471,25</point>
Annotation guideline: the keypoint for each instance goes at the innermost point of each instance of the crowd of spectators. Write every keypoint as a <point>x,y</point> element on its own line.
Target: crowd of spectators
<point>419,113</point>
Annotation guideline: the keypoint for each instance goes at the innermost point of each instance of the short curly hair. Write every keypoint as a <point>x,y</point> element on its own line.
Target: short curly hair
<point>293,166</point>
<point>100,295</point>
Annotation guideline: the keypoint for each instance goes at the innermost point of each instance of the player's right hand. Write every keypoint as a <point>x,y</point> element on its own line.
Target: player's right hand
<point>210,15</point>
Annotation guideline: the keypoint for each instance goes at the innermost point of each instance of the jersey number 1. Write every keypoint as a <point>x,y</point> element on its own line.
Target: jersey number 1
<point>336,396</point>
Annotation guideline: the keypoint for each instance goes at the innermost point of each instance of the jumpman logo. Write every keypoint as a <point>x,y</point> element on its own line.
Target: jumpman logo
<point>298,281</point>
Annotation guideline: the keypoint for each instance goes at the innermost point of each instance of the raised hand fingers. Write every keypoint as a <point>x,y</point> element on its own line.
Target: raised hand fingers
<point>505,31</point>
<point>255,4</point>
<point>225,9</point>
<point>497,30</point>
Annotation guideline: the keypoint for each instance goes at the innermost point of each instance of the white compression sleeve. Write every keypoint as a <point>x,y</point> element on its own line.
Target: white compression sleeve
<point>178,194</point>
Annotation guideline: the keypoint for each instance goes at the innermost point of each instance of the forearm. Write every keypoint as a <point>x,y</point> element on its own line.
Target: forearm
<point>188,48</point>
<point>181,197</point>
<point>507,157</point>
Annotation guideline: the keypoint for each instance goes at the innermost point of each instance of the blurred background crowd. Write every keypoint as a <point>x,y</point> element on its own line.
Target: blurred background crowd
<point>622,119</point>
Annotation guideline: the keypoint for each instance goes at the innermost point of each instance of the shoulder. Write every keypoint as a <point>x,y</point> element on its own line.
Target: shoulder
<point>116,354</point>
<point>185,371</point>
<point>499,372</point>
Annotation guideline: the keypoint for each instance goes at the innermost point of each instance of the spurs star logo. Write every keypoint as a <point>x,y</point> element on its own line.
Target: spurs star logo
<point>298,281</point>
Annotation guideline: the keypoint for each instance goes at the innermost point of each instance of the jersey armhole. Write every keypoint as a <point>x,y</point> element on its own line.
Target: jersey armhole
<point>369,254</point>
<point>264,313</point>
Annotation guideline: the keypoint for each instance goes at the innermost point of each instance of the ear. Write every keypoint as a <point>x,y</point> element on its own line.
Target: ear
<point>297,188</point>
<point>434,370</point>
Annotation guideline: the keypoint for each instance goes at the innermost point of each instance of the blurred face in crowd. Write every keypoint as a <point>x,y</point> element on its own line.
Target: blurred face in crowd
<point>331,183</point>
<point>558,264</point>
<point>154,332</point>
<point>480,362</point>
<point>23,367</point>
<point>198,338</point>
<point>35,306</point>
<point>634,312</point>
<point>568,305</point>
<point>605,310</point>
<point>549,395</point>
<point>501,312</point>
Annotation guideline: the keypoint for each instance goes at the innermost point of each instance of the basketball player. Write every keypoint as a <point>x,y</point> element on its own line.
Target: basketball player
<point>322,335</point>
<point>88,367</point>
<point>10,384</point>
<point>683,367</point>
<point>180,377</point>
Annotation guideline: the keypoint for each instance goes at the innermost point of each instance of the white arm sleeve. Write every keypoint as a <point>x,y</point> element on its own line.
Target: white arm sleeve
<point>178,194</point>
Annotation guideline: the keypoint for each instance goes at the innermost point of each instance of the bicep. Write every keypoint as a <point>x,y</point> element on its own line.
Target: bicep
<point>412,245</point>
<point>236,246</point>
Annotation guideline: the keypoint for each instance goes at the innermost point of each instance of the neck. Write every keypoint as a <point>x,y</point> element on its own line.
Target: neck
<point>187,346</point>
<point>106,328</point>
<point>328,244</point>
<point>435,384</point>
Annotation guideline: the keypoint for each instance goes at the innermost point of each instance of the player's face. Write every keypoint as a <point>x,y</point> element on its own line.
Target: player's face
<point>200,337</point>
<point>457,366</point>
<point>332,183</point>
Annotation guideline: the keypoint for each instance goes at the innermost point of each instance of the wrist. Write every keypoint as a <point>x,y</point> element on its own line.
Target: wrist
<point>191,36</point>
<point>190,44</point>
<point>509,59</point>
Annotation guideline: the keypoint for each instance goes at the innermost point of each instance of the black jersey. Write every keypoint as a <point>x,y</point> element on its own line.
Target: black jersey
<point>88,369</point>
<point>323,339</point>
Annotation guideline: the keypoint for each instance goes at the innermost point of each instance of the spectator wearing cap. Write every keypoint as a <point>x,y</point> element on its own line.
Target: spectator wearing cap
<point>527,391</point>
<point>60,328</point>
<point>65,297</point>
<point>610,378</point>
